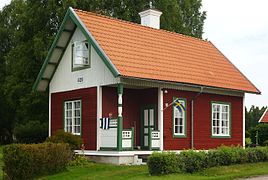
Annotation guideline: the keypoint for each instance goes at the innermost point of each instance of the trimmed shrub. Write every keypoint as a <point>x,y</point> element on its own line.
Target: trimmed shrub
<point>60,136</point>
<point>31,132</point>
<point>258,154</point>
<point>224,156</point>
<point>23,161</point>
<point>163,163</point>
<point>79,160</point>
<point>192,161</point>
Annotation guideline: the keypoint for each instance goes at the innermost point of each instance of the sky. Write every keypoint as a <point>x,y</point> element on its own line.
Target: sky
<point>239,28</point>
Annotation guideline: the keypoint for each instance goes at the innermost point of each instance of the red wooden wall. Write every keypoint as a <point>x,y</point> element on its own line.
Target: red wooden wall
<point>202,121</point>
<point>89,113</point>
<point>133,100</point>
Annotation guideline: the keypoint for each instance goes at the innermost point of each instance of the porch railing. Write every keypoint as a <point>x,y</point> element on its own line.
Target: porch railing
<point>128,139</point>
<point>154,139</point>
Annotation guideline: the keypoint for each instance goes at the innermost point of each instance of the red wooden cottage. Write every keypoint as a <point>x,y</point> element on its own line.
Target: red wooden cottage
<point>264,117</point>
<point>130,89</point>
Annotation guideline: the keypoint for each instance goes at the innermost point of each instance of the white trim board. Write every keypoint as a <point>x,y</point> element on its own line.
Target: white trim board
<point>263,115</point>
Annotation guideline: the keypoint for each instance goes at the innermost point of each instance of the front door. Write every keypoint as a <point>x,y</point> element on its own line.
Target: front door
<point>148,120</point>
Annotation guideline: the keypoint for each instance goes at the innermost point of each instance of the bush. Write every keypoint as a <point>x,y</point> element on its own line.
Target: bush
<point>248,142</point>
<point>192,161</point>
<point>265,143</point>
<point>162,163</point>
<point>23,161</point>
<point>224,156</point>
<point>60,136</point>
<point>31,132</point>
<point>262,133</point>
<point>79,160</point>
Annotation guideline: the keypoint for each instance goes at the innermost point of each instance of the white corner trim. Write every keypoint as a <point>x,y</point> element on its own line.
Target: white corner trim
<point>263,115</point>
<point>244,123</point>
<point>161,118</point>
<point>99,115</point>
<point>49,114</point>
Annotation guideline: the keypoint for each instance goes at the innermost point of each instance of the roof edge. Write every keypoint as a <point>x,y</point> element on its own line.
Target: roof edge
<point>52,47</point>
<point>94,43</point>
<point>187,84</point>
<point>77,21</point>
<point>253,92</point>
<point>263,115</point>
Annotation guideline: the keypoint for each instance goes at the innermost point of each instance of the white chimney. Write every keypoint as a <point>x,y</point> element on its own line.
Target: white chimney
<point>151,17</point>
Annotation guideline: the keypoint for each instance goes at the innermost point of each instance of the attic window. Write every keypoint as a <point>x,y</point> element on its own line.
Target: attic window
<point>80,55</point>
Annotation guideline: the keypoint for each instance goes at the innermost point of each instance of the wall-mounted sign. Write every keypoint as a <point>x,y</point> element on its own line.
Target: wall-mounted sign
<point>80,80</point>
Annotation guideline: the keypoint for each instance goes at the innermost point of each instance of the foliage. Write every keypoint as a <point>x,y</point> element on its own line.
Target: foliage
<point>265,143</point>
<point>248,142</point>
<point>60,136</point>
<point>194,161</point>
<point>31,132</point>
<point>79,160</point>
<point>260,133</point>
<point>28,161</point>
<point>253,115</point>
<point>191,161</point>
<point>162,163</point>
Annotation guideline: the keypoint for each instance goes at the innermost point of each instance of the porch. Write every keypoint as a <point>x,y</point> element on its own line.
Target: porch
<point>130,120</point>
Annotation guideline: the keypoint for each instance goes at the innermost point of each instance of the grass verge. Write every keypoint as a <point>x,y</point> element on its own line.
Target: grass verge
<point>103,171</point>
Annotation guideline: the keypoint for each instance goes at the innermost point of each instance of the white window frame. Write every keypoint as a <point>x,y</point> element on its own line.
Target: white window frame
<point>178,114</point>
<point>84,49</point>
<point>69,114</point>
<point>220,119</point>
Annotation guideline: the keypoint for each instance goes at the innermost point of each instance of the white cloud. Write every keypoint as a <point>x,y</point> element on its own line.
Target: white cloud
<point>240,30</point>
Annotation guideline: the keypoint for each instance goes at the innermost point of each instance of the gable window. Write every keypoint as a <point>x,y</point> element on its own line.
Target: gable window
<point>72,117</point>
<point>220,119</point>
<point>179,117</point>
<point>80,55</point>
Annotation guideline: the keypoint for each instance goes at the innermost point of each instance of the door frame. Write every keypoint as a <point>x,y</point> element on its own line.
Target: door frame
<point>149,106</point>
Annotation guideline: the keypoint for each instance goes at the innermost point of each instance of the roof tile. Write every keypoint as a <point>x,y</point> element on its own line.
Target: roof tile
<point>143,52</point>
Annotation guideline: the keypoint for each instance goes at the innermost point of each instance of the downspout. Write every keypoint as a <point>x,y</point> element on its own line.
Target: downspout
<point>192,117</point>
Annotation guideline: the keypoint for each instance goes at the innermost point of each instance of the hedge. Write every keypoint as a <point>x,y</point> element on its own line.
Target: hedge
<point>193,161</point>
<point>74,141</point>
<point>25,161</point>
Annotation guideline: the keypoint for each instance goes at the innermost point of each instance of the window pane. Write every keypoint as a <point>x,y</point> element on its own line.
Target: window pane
<point>180,129</point>
<point>181,121</point>
<point>176,129</point>
<point>176,123</point>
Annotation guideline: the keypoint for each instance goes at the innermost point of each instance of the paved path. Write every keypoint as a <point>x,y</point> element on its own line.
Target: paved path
<point>265,177</point>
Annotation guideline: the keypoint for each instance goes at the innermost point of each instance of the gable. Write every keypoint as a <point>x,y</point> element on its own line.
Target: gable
<point>66,79</point>
<point>70,22</point>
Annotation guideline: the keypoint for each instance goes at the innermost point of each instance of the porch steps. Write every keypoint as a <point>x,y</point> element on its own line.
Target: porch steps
<point>143,157</point>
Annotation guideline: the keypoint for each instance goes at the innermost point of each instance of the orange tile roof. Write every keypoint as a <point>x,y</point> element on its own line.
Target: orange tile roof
<point>264,118</point>
<point>143,52</point>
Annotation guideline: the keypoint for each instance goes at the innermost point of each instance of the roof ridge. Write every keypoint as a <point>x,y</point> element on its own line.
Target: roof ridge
<point>145,27</point>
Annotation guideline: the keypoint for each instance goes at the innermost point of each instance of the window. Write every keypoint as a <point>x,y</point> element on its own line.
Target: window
<point>220,119</point>
<point>80,55</point>
<point>72,116</point>
<point>179,118</point>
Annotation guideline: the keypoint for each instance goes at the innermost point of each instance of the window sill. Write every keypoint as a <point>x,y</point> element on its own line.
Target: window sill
<point>221,136</point>
<point>80,68</point>
<point>179,136</point>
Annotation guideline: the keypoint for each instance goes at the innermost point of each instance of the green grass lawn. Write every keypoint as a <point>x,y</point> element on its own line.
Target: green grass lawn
<point>103,171</point>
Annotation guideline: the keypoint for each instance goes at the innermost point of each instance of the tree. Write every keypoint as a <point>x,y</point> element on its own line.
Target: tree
<point>253,116</point>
